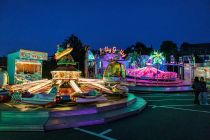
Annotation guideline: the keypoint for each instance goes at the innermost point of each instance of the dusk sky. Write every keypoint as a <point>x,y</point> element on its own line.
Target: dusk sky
<point>42,24</point>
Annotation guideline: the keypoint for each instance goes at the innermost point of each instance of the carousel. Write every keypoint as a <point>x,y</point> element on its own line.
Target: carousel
<point>69,82</point>
<point>152,70</point>
<point>67,100</point>
<point>114,72</point>
<point>154,77</point>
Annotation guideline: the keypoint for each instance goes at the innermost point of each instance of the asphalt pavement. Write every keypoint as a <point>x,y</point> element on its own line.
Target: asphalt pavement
<point>167,117</point>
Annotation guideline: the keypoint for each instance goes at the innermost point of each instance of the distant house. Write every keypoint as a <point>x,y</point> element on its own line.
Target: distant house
<point>3,62</point>
<point>196,58</point>
<point>201,51</point>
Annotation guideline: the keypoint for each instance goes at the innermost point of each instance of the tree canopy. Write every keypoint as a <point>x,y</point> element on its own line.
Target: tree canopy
<point>169,48</point>
<point>140,48</point>
<point>78,52</point>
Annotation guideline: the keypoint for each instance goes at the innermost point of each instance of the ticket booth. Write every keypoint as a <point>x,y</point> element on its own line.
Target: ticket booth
<point>24,66</point>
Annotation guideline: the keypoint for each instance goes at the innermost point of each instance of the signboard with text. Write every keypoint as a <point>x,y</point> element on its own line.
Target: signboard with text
<point>26,54</point>
<point>112,50</point>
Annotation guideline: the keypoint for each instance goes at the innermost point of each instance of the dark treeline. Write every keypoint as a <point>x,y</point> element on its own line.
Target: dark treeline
<point>167,48</point>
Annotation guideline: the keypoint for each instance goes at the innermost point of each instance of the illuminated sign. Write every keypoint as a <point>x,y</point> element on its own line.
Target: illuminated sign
<point>112,50</point>
<point>21,61</point>
<point>26,54</point>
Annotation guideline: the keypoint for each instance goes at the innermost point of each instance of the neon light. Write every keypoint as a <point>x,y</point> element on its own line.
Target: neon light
<point>122,53</point>
<point>112,50</point>
<point>65,74</point>
<point>61,54</point>
<point>90,55</point>
<point>157,57</point>
<point>107,50</point>
<point>75,87</point>
<point>29,63</point>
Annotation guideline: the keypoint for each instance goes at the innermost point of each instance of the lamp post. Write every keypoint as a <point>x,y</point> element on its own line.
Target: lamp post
<point>157,72</point>
<point>77,65</point>
<point>193,59</point>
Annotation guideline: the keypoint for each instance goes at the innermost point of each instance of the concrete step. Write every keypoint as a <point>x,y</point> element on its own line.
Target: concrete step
<point>20,114</point>
<point>116,104</point>
<point>146,89</point>
<point>92,109</point>
<point>93,119</point>
<point>4,127</point>
<point>23,121</point>
<point>44,120</point>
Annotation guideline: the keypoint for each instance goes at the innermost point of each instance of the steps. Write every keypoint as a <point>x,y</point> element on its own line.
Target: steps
<point>92,109</point>
<point>52,120</point>
<point>147,89</point>
<point>23,121</point>
<point>94,119</point>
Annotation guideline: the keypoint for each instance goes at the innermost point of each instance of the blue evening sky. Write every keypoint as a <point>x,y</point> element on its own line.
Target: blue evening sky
<point>42,24</point>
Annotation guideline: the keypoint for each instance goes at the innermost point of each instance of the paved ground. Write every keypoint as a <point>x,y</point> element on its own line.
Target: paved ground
<point>168,117</point>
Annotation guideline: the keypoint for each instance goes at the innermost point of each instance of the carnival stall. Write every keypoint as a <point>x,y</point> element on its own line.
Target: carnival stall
<point>25,65</point>
<point>3,77</point>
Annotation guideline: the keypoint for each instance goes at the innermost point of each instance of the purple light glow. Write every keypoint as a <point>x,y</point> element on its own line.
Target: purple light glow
<point>74,112</point>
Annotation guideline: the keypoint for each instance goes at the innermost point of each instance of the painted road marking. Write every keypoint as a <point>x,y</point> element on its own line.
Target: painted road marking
<point>100,135</point>
<point>183,109</point>
<point>154,106</point>
<point>106,131</point>
<point>167,96</point>
<point>156,96</point>
<point>170,100</point>
<point>172,105</point>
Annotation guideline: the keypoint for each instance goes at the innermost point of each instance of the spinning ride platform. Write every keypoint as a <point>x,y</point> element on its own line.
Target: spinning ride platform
<point>152,80</point>
<point>20,117</point>
<point>160,89</point>
<point>145,86</point>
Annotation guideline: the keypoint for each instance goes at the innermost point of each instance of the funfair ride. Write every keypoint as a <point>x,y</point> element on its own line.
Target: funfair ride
<point>69,81</point>
<point>151,74</point>
<point>114,72</point>
<point>67,84</point>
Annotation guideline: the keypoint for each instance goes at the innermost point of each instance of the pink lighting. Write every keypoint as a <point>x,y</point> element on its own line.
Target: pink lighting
<point>151,73</point>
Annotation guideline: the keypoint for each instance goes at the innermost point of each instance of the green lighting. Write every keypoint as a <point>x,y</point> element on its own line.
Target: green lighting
<point>157,57</point>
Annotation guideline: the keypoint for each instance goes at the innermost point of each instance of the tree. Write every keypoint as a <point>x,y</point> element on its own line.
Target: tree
<point>140,48</point>
<point>134,59</point>
<point>78,52</point>
<point>76,44</point>
<point>184,48</point>
<point>198,59</point>
<point>169,48</point>
<point>48,66</point>
<point>3,61</point>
